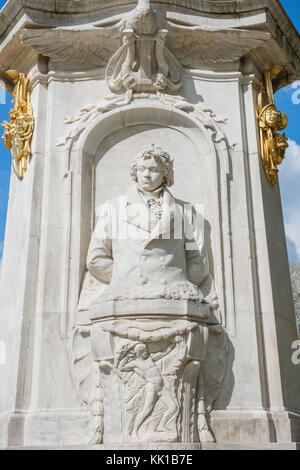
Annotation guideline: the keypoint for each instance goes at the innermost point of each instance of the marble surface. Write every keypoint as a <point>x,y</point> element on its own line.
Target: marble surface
<point>83,143</point>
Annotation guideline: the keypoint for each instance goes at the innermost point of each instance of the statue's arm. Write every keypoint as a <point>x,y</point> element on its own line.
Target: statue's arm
<point>196,255</point>
<point>197,260</point>
<point>100,256</point>
<point>160,354</point>
<point>126,367</point>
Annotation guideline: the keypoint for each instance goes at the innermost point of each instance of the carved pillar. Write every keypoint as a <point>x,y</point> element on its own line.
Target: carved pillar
<point>150,382</point>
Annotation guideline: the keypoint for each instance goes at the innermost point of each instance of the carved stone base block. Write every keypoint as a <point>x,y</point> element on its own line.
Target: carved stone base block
<point>150,373</point>
<point>142,307</point>
<point>254,426</point>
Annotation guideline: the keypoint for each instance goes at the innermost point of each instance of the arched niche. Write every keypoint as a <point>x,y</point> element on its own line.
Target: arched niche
<point>100,161</point>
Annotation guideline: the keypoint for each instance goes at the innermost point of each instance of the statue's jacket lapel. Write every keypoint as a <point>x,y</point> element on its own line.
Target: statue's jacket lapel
<point>138,214</point>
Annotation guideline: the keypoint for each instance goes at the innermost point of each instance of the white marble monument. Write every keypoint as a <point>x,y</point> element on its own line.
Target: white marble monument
<point>145,291</point>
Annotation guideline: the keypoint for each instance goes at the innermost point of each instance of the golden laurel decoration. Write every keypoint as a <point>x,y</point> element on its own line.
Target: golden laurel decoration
<point>273,144</point>
<point>18,132</point>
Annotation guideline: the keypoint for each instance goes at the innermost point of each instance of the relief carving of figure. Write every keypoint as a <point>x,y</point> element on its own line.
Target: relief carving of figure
<point>150,359</point>
<point>144,49</point>
<point>139,360</point>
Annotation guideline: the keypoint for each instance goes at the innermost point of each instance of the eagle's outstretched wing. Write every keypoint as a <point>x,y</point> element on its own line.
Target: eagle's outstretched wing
<point>195,45</point>
<point>85,45</point>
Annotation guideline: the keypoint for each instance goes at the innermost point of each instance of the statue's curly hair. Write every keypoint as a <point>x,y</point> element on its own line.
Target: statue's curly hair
<point>151,151</point>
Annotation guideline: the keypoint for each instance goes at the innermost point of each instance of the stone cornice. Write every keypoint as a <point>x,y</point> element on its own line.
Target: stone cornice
<point>214,7</point>
<point>207,6</point>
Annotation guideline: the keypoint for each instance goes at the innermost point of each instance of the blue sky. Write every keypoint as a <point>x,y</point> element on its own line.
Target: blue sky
<point>287,100</point>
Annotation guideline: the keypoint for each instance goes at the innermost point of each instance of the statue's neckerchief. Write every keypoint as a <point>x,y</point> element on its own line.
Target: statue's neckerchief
<point>153,200</point>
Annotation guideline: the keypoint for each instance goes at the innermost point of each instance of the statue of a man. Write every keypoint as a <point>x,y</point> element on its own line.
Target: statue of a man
<point>147,244</point>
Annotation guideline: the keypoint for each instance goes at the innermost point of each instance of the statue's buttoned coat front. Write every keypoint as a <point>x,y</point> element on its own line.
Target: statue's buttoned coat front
<point>129,255</point>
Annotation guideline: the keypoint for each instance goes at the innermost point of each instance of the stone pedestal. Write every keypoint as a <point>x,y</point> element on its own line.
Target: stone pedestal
<point>150,387</point>
<point>94,108</point>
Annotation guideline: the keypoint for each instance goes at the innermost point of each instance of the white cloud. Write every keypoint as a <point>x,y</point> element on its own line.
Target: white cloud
<point>290,167</point>
<point>289,184</point>
<point>1,254</point>
<point>292,230</point>
<point>291,92</point>
<point>296,92</point>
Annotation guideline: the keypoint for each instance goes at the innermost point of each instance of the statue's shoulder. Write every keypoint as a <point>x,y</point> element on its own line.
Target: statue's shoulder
<point>110,205</point>
<point>114,201</point>
<point>192,212</point>
<point>186,206</point>
<point>181,202</point>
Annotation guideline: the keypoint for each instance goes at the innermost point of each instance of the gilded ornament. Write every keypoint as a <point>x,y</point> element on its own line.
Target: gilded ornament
<point>273,144</point>
<point>18,132</point>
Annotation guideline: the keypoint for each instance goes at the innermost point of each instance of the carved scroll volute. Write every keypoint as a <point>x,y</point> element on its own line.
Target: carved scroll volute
<point>273,144</point>
<point>18,132</point>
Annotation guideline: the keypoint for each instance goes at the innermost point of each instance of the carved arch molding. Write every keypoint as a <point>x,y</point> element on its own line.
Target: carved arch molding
<point>82,145</point>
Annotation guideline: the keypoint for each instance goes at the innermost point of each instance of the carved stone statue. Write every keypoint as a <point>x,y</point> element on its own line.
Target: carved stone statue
<point>118,330</point>
<point>149,245</point>
<point>142,49</point>
<point>150,300</point>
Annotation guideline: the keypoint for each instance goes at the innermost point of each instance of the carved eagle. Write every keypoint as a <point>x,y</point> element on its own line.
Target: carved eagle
<point>192,45</point>
<point>87,45</point>
<point>195,45</point>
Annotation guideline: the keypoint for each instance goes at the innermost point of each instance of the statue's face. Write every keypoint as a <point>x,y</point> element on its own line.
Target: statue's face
<point>161,81</point>
<point>141,351</point>
<point>149,174</point>
<point>271,117</point>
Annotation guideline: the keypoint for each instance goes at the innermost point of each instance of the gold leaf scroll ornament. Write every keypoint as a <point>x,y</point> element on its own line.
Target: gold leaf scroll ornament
<point>273,144</point>
<point>18,132</point>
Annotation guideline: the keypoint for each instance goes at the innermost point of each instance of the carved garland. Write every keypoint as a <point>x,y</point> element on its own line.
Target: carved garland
<point>86,115</point>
